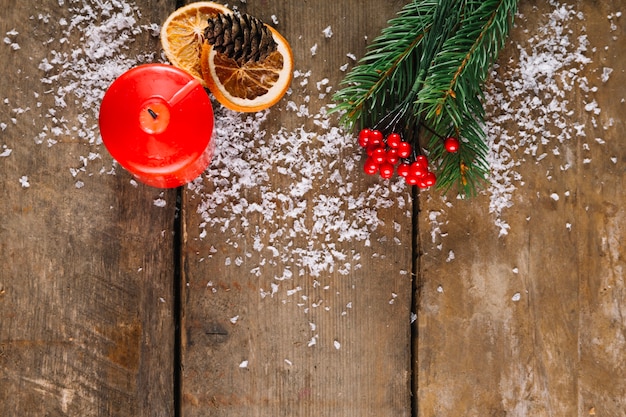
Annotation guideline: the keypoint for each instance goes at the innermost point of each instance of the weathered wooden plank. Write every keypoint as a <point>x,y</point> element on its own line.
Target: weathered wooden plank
<point>285,313</point>
<point>86,286</point>
<point>602,222</point>
<point>529,323</point>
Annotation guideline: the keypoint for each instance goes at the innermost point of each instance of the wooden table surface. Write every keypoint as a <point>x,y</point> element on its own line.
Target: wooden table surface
<point>283,281</point>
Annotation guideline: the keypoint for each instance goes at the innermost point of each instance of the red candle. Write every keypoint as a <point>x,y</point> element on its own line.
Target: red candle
<point>156,121</point>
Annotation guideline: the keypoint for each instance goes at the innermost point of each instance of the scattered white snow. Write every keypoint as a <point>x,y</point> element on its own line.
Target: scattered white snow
<point>303,185</point>
<point>533,95</point>
<point>100,37</point>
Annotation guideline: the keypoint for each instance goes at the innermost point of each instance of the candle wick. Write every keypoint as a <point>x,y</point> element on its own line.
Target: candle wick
<point>152,113</point>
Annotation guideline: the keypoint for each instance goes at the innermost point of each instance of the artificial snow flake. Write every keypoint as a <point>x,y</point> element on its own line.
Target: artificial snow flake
<point>24,181</point>
<point>6,151</point>
<point>606,72</point>
<point>592,107</point>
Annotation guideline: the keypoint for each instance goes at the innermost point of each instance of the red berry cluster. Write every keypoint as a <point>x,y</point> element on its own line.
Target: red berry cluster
<point>388,154</point>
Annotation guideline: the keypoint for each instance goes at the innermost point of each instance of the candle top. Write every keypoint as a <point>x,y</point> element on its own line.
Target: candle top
<point>156,119</point>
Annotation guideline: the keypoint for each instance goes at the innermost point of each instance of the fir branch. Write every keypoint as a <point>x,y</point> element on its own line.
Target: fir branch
<point>462,64</point>
<point>387,72</point>
<point>424,74</point>
<point>453,91</point>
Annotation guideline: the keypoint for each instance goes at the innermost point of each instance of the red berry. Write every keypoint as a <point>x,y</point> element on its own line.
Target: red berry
<point>427,181</point>
<point>379,155</point>
<point>411,179</point>
<point>370,167</point>
<point>371,148</point>
<point>393,140</point>
<point>392,156</point>
<point>376,137</point>
<point>417,170</point>
<point>386,170</point>
<point>422,160</point>
<point>404,169</point>
<point>364,137</point>
<point>451,144</point>
<point>404,149</point>
<point>430,179</point>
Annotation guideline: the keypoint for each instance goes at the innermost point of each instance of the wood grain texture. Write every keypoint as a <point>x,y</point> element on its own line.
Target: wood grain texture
<point>86,284</point>
<point>249,355</point>
<point>532,323</point>
<point>601,377</point>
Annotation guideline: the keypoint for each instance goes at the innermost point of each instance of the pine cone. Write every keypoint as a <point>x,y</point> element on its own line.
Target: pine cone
<point>241,37</point>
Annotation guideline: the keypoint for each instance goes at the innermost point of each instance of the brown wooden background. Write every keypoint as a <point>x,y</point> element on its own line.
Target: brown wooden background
<point>105,308</point>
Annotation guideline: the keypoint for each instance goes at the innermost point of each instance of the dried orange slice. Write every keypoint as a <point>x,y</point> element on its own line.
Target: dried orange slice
<point>251,86</point>
<point>182,35</point>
